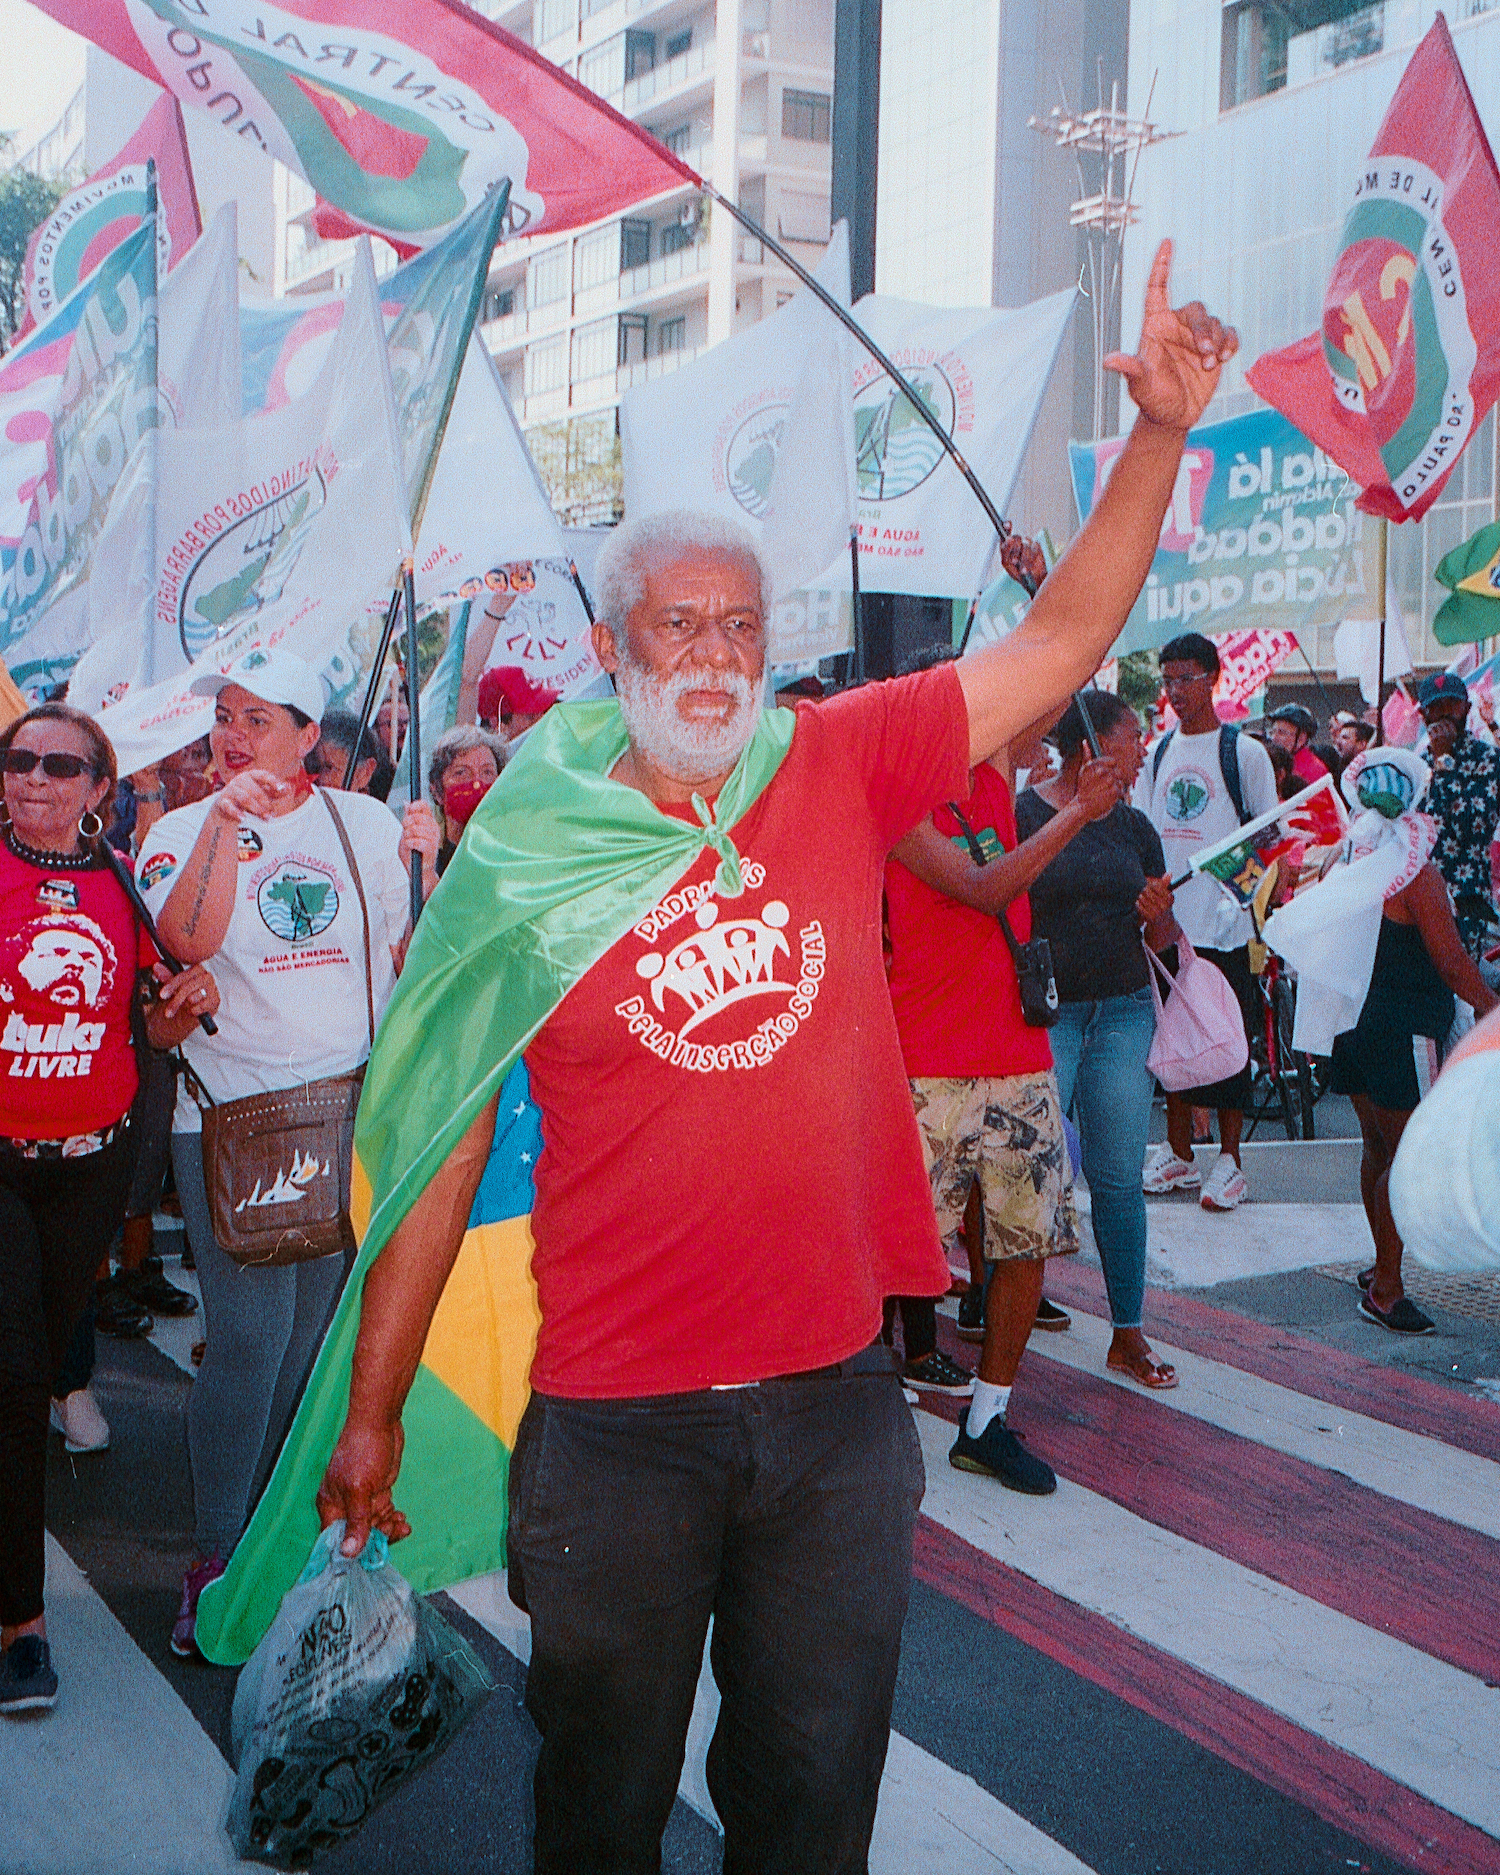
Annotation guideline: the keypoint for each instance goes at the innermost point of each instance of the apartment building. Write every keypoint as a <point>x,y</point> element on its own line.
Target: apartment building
<point>1278,102</point>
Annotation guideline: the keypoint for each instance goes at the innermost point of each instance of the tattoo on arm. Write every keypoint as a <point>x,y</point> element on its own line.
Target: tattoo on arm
<point>205,874</point>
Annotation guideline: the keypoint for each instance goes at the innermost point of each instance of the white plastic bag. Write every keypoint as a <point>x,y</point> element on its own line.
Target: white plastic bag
<point>357,1684</point>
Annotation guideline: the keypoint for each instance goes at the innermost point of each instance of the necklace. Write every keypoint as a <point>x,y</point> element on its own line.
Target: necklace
<point>49,862</point>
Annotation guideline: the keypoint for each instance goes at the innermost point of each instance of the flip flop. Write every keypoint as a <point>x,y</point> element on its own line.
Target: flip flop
<point>1146,1372</point>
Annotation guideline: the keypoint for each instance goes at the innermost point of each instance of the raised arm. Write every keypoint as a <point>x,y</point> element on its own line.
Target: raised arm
<point>402,1291</point>
<point>197,912</point>
<point>1078,614</point>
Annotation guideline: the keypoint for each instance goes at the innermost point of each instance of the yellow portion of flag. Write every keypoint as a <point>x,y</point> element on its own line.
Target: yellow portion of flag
<point>1486,582</point>
<point>483,1336</point>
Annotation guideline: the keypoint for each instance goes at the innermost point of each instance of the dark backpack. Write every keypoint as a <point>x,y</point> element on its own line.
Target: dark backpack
<point>1229,765</point>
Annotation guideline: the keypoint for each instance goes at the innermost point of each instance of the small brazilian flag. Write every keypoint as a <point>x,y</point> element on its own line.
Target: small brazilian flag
<point>556,865</point>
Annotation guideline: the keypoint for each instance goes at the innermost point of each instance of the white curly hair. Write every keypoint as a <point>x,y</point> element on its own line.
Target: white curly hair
<point>638,548</point>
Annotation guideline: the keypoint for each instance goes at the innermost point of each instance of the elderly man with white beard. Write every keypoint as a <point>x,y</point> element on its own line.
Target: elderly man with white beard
<point>731,1179</point>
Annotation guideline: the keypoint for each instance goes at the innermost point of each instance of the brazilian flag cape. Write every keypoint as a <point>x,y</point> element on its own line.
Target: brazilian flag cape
<point>556,865</point>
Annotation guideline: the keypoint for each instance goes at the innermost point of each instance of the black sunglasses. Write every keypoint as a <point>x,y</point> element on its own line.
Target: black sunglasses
<point>56,763</point>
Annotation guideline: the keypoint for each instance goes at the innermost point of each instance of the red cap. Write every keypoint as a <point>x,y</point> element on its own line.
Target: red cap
<point>510,684</point>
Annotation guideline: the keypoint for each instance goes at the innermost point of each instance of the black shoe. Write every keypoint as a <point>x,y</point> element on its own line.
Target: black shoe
<point>971,1316</point>
<point>117,1313</point>
<point>149,1287</point>
<point>998,1453</point>
<point>1402,1318</point>
<point>1051,1317</point>
<point>937,1374</point>
<point>27,1682</point>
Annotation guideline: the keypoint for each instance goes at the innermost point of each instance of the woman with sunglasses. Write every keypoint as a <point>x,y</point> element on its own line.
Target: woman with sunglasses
<point>73,959</point>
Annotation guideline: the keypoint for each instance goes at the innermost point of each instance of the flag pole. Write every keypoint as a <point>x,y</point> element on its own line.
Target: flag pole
<point>1380,674</point>
<point>413,726</point>
<point>578,587</point>
<point>368,710</point>
<point>859,636</point>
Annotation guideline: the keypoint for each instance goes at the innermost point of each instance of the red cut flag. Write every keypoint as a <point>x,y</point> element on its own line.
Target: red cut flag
<point>1408,360</point>
<point>95,218</point>
<point>400,114</point>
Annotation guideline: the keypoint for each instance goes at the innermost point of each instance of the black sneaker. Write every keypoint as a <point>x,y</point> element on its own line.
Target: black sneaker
<point>937,1374</point>
<point>149,1287</point>
<point>998,1453</point>
<point>971,1315</point>
<point>1051,1317</point>
<point>117,1313</point>
<point>27,1682</point>
<point>1402,1318</point>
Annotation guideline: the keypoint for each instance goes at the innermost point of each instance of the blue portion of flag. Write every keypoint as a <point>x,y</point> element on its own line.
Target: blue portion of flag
<point>507,1188</point>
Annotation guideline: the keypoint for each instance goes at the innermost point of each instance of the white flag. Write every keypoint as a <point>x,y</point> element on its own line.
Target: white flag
<point>811,509</point>
<point>198,341</point>
<point>982,373</point>
<point>278,528</point>
<point>709,436</point>
<point>487,505</point>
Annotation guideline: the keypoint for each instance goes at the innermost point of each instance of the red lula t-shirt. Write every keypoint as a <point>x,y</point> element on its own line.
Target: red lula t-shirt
<point>731,1179</point>
<point>69,951</point>
<point>953,984</point>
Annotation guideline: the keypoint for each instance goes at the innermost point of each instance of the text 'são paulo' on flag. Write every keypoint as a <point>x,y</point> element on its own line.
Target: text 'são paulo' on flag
<point>95,218</point>
<point>401,114</point>
<point>75,399</point>
<point>1408,359</point>
<point>558,862</point>
<point>713,435</point>
<point>982,374</point>
<point>1262,533</point>
<point>276,528</point>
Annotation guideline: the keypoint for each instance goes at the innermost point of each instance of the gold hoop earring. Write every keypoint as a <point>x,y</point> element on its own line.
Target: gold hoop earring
<point>86,832</point>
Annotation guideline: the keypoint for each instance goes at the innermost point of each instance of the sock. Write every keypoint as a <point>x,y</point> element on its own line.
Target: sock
<point>986,1404</point>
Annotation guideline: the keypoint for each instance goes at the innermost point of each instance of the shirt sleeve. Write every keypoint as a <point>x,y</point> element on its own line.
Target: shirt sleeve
<point>907,739</point>
<point>1148,845</point>
<point>385,878</point>
<point>163,856</point>
<point>1257,777</point>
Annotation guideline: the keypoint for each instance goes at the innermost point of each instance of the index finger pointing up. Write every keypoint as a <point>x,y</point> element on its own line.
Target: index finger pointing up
<point>1159,279</point>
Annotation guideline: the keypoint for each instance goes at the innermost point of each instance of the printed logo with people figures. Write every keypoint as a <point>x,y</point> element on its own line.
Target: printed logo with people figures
<point>729,993</point>
<point>1188,794</point>
<point>296,902</point>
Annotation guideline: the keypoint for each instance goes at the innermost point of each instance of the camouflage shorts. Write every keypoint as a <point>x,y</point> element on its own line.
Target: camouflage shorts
<point>1006,1132</point>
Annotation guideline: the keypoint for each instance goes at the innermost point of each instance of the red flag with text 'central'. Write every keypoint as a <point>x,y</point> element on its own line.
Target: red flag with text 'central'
<point>1408,360</point>
<point>401,114</point>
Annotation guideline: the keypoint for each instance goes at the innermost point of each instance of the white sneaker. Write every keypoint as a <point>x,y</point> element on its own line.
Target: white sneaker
<point>83,1427</point>
<point>1225,1187</point>
<point>1164,1171</point>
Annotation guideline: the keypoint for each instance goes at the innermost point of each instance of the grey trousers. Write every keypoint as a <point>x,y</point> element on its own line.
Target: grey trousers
<point>264,1329</point>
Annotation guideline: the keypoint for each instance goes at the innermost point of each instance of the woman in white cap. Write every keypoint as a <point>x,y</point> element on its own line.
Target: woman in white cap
<point>255,883</point>
<point>1379,960</point>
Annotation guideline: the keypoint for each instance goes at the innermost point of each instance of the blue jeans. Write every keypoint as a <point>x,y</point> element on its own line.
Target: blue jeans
<point>1099,1052</point>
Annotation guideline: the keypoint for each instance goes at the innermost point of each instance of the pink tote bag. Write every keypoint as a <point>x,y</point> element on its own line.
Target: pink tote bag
<point>1200,1029</point>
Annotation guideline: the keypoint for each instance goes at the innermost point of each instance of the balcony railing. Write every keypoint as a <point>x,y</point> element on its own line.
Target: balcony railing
<point>628,376</point>
<point>664,79</point>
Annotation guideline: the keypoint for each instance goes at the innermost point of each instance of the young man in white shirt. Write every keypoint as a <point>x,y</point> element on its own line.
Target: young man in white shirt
<point>1187,789</point>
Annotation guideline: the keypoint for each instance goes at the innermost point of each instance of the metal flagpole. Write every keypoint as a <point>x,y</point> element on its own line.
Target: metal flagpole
<point>138,905</point>
<point>1380,674</point>
<point>588,610</point>
<point>859,636</point>
<point>413,727</point>
<point>368,710</point>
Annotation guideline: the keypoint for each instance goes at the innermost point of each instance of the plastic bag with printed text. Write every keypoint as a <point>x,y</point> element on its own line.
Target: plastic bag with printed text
<point>357,1685</point>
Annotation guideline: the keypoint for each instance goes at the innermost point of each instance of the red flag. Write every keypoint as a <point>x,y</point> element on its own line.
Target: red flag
<point>97,216</point>
<point>401,114</point>
<point>1408,360</point>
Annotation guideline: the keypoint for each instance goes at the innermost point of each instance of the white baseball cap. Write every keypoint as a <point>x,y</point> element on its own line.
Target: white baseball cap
<point>274,676</point>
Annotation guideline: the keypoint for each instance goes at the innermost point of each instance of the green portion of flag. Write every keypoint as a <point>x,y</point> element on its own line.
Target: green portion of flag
<point>1239,870</point>
<point>1472,612</point>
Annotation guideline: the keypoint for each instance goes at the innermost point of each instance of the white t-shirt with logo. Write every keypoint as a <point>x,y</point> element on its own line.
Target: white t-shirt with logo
<point>291,969</point>
<point>1188,804</point>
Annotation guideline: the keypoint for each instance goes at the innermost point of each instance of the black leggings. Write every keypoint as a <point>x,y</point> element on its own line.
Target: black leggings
<point>918,1325</point>
<point>57,1217</point>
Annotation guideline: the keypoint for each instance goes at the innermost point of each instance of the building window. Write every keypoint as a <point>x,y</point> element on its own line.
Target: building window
<point>632,345</point>
<point>547,366</point>
<point>1267,44</point>
<point>499,303</point>
<point>803,216</point>
<point>671,335</point>
<point>679,140</point>
<point>556,18</point>
<point>594,350</point>
<point>603,69</point>
<point>596,259</point>
<point>640,54</point>
<point>677,44</point>
<point>635,244</point>
<point>591,7</point>
<point>547,277</point>
<point>805,116</point>
<point>677,235</point>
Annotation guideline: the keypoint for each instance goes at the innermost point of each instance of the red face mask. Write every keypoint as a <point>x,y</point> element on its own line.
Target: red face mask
<point>460,799</point>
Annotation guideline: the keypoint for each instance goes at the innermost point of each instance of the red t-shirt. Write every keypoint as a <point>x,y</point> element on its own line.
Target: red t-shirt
<point>732,1179</point>
<point>69,951</point>
<point>1308,767</point>
<point>953,985</point>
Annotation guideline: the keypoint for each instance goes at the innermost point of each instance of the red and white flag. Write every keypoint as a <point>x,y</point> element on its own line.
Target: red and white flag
<point>401,114</point>
<point>95,218</point>
<point>1408,359</point>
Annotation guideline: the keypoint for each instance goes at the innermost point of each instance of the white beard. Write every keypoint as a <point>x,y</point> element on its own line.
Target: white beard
<point>686,751</point>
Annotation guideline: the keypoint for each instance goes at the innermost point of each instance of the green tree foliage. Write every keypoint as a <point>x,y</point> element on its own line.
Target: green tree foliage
<point>1140,681</point>
<point>25,202</point>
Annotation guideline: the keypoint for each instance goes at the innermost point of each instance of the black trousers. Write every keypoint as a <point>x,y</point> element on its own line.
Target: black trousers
<point>57,1217</point>
<point>784,1511</point>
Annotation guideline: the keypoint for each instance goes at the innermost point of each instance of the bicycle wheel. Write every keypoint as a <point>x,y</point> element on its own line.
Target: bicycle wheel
<point>1288,1079</point>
